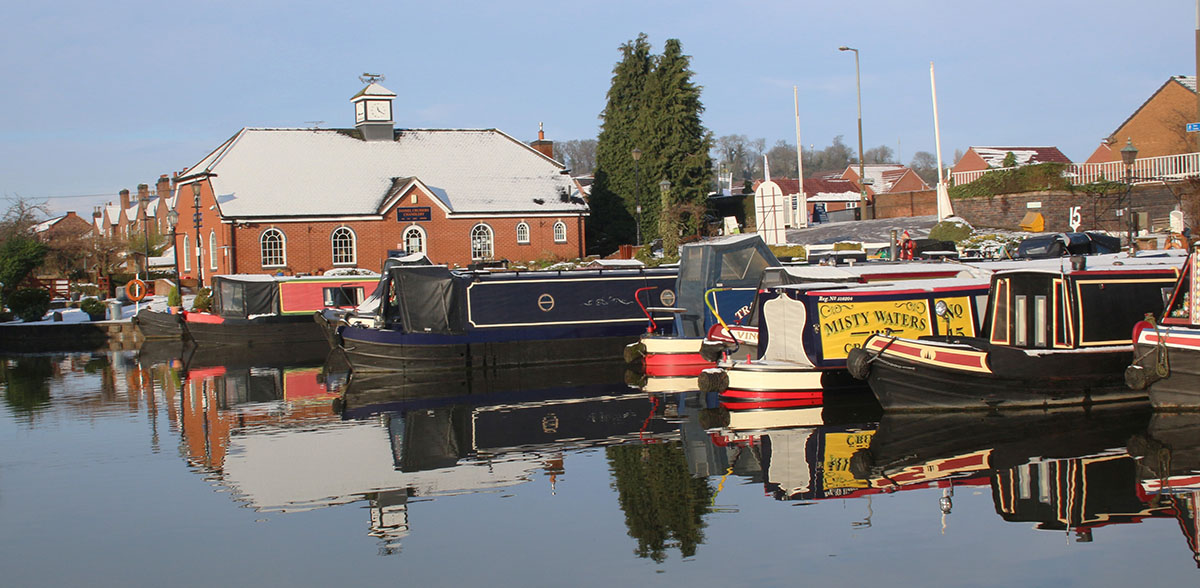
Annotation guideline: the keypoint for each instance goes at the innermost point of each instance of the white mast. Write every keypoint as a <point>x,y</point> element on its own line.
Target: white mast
<point>801,219</point>
<point>944,209</point>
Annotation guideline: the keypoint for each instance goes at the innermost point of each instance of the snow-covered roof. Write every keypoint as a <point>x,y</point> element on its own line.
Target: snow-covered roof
<point>301,172</point>
<point>994,156</point>
<point>46,224</point>
<point>834,197</point>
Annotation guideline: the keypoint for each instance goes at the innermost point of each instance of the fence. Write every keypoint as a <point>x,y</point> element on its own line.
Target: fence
<point>1146,169</point>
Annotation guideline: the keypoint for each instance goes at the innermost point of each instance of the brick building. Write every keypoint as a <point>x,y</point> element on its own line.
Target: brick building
<point>1158,126</point>
<point>304,201</point>
<point>981,158</point>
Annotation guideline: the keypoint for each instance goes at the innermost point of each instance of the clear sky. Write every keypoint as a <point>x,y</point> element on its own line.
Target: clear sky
<point>97,97</point>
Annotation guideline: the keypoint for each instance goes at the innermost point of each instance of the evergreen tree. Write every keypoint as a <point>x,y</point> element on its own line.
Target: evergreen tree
<point>613,197</point>
<point>652,106</point>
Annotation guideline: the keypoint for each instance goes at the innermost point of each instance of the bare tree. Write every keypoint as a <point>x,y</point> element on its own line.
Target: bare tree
<point>880,154</point>
<point>924,164</point>
<point>782,159</point>
<point>579,155</point>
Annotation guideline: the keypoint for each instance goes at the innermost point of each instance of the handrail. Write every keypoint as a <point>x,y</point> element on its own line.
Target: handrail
<point>1145,170</point>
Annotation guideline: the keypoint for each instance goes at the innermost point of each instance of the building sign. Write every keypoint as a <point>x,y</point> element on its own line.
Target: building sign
<point>1193,127</point>
<point>414,214</point>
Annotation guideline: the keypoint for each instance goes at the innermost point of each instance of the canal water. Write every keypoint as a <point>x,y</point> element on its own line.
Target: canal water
<point>128,469</point>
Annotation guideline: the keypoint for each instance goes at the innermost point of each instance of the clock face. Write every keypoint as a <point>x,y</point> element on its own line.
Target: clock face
<point>378,110</point>
<point>360,112</point>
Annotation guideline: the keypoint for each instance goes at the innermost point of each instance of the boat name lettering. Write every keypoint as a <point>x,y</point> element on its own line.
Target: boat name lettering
<point>900,319</point>
<point>843,323</point>
<point>741,312</point>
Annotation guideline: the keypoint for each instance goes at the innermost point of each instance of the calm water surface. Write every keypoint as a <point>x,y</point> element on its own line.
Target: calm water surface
<point>119,470</point>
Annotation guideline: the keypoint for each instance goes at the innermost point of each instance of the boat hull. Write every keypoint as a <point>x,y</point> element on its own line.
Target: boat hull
<point>273,331</point>
<point>158,325</point>
<point>929,375</point>
<point>1179,356</point>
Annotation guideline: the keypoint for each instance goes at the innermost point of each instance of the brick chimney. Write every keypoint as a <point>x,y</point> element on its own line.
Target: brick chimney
<point>124,200</point>
<point>542,145</point>
<point>163,187</point>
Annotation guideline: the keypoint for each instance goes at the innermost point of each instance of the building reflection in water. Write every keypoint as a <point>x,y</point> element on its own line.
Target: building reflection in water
<point>286,438</point>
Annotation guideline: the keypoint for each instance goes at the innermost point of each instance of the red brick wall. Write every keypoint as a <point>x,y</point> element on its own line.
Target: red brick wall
<point>308,248</point>
<point>1006,211</point>
<point>902,204</point>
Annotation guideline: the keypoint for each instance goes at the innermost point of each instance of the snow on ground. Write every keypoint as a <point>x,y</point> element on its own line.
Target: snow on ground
<point>128,309</point>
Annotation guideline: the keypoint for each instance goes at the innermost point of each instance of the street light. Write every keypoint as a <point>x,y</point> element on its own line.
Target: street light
<point>862,188</point>
<point>146,231</point>
<point>637,192</point>
<point>1128,156</point>
<point>196,219</point>
<point>173,219</point>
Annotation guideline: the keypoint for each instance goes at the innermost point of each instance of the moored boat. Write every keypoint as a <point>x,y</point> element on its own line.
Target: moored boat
<point>436,318</point>
<point>1167,350</point>
<point>259,310</point>
<point>1050,338</point>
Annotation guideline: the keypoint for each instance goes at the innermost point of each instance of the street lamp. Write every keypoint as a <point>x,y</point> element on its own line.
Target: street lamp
<point>173,219</point>
<point>196,219</point>
<point>862,188</point>
<point>146,231</point>
<point>637,192</point>
<point>1128,156</point>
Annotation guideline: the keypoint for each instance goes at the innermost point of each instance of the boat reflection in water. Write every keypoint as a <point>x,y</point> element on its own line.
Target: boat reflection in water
<point>1169,475</point>
<point>1063,469</point>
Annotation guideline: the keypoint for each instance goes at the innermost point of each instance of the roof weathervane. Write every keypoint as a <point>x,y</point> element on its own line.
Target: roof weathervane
<point>370,78</point>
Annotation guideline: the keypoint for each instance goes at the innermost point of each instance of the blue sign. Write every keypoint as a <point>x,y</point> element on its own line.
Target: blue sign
<point>1193,127</point>
<point>414,214</point>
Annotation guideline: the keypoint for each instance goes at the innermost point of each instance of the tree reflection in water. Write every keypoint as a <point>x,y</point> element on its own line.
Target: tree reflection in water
<point>662,501</point>
<point>27,383</point>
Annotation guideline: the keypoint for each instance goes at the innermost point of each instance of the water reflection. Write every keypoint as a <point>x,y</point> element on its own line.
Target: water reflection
<point>288,436</point>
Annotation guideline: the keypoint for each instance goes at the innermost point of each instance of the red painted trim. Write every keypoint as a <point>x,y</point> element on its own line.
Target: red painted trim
<point>203,317</point>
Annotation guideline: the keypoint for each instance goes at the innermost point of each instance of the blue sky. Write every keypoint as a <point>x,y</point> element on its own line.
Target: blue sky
<point>103,96</point>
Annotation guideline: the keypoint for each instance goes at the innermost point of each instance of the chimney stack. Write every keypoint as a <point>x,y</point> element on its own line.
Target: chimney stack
<point>542,145</point>
<point>124,201</point>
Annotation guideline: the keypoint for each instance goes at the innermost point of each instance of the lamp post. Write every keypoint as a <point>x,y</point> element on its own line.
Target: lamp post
<point>173,219</point>
<point>637,192</point>
<point>1128,156</point>
<point>196,220</point>
<point>862,188</point>
<point>146,232</point>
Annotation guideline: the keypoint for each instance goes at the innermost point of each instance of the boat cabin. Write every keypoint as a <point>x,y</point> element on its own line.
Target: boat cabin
<point>1073,308</point>
<point>733,264</point>
<point>250,295</point>
<point>1183,308</point>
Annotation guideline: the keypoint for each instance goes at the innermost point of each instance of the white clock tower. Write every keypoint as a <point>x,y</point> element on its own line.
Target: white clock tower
<point>373,112</point>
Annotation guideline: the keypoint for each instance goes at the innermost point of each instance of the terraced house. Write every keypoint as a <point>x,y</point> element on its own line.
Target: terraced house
<point>304,201</point>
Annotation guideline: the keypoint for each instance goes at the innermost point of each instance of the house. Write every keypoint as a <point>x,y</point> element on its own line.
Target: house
<point>298,201</point>
<point>885,178</point>
<point>130,217</point>
<point>983,158</point>
<point>67,226</point>
<point>1158,126</point>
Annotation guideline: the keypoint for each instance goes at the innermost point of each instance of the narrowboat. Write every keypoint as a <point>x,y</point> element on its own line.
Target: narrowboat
<point>806,332</point>
<point>1050,337</point>
<point>1166,357</point>
<point>1169,469</point>
<point>259,310</point>
<point>437,318</point>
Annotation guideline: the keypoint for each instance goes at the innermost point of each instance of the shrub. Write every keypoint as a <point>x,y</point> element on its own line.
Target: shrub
<point>173,297</point>
<point>949,230</point>
<point>790,251</point>
<point>93,307</point>
<point>203,300</point>
<point>1027,178</point>
<point>30,304</point>
<point>847,246</point>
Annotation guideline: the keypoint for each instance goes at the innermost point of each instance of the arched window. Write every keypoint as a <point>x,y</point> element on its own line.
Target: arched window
<point>273,246</point>
<point>481,242</point>
<point>523,233</point>
<point>414,239</point>
<point>560,232</point>
<point>187,254</point>
<point>344,252</point>
<point>212,249</point>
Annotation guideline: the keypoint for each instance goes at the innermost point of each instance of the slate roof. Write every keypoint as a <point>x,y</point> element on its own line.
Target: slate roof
<point>263,172</point>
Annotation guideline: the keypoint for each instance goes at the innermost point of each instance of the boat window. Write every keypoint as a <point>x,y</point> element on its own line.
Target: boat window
<point>1020,321</point>
<point>232,297</point>
<point>1000,313</point>
<point>736,265</point>
<point>342,296</point>
<point>1039,321</point>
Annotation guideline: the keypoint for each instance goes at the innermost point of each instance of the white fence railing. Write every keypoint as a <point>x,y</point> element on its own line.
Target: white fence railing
<point>1146,169</point>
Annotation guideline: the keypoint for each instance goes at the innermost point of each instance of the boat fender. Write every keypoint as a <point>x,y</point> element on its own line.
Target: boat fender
<point>858,363</point>
<point>635,351</point>
<point>713,380</point>
<point>635,378</point>
<point>1135,377</point>
<point>713,350</point>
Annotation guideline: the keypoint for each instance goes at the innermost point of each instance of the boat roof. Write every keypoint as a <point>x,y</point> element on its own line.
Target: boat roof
<point>931,285</point>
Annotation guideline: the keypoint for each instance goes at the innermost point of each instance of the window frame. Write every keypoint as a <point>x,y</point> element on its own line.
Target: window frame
<point>482,229</point>
<point>282,248</point>
<point>522,225</point>
<point>557,226</point>
<point>212,250</point>
<point>349,245</point>
<point>423,236</point>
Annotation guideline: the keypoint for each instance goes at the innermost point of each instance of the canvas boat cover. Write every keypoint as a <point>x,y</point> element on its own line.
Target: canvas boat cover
<point>426,299</point>
<point>736,261</point>
<point>243,296</point>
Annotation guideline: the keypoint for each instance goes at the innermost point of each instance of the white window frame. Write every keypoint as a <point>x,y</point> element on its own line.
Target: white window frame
<point>420,231</point>
<point>187,254</point>
<point>560,232</point>
<point>478,252</point>
<point>282,248</point>
<point>522,233</point>
<point>347,258</point>
<point>212,250</point>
